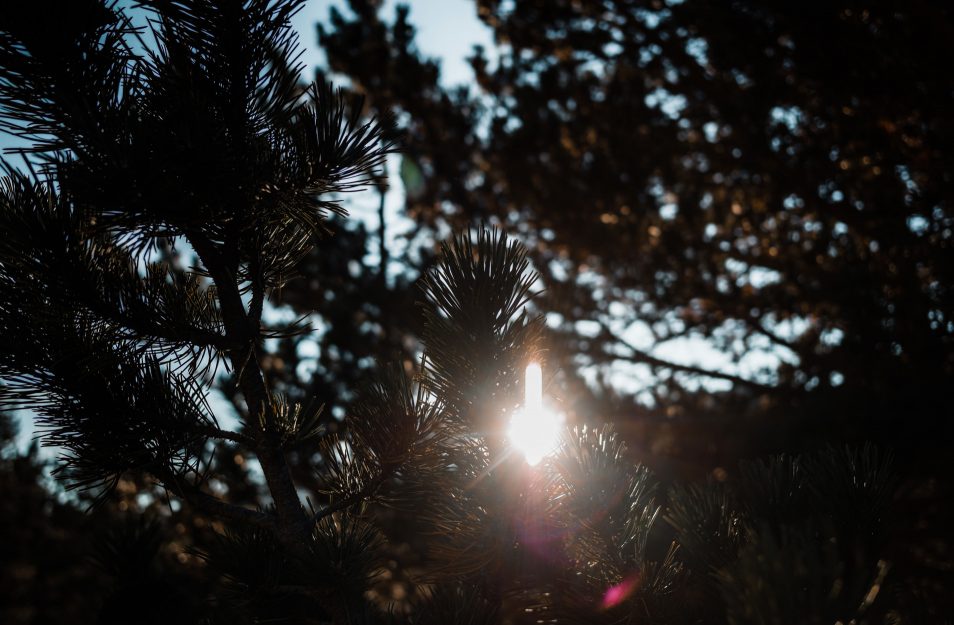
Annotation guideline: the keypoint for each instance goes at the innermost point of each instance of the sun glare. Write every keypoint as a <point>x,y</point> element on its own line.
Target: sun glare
<point>534,430</point>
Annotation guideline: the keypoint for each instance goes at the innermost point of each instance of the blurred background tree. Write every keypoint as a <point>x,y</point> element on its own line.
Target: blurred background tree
<point>741,210</point>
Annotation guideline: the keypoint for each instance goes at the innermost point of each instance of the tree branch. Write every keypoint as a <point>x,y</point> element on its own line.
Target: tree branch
<point>757,326</point>
<point>227,435</point>
<point>293,524</point>
<point>382,233</point>
<point>258,294</point>
<point>146,326</point>
<point>639,356</point>
<point>353,499</point>
<point>189,334</point>
<point>213,506</point>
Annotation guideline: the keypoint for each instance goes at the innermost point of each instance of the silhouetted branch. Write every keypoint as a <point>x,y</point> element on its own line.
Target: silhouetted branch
<point>211,505</point>
<point>227,435</point>
<point>639,356</point>
<point>353,499</point>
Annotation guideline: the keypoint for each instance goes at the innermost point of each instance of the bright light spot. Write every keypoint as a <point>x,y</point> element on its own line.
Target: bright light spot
<point>534,433</point>
<point>534,430</point>
<point>533,387</point>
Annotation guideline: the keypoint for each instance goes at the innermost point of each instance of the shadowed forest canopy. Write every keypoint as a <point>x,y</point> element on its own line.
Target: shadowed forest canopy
<point>772,178</point>
<point>652,323</point>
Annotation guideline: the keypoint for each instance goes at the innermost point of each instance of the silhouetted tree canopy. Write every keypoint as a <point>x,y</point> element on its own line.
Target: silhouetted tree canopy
<point>766,176</point>
<point>177,235</point>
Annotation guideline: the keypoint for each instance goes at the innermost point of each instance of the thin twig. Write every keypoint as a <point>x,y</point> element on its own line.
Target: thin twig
<point>228,435</point>
<point>352,499</point>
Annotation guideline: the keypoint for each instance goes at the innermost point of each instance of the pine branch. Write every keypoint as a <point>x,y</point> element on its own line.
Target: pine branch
<point>292,521</point>
<point>393,429</point>
<point>478,335</point>
<point>78,271</point>
<point>353,499</point>
<point>147,326</point>
<point>211,505</point>
<point>772,336</point>
<point>639,356</point>
<point>227,435</point>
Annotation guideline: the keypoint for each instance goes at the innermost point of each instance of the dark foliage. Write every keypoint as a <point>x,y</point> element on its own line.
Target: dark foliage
<point>757,176</point>
<point>194,139</point>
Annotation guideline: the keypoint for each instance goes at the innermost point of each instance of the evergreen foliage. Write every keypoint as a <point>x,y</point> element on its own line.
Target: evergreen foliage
<point>205,140</point>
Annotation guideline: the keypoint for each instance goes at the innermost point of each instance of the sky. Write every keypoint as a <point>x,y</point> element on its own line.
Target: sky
<point>446,29</point>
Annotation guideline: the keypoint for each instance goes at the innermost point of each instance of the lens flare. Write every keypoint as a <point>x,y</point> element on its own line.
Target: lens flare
<point>618,593</point>
<point>534,430</point>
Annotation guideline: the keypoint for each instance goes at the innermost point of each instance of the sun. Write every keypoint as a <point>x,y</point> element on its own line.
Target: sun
<point>535,433</point>
<point>535,430</point>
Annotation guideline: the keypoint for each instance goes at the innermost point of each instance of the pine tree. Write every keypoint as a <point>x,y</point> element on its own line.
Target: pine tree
<point>197,135</point>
